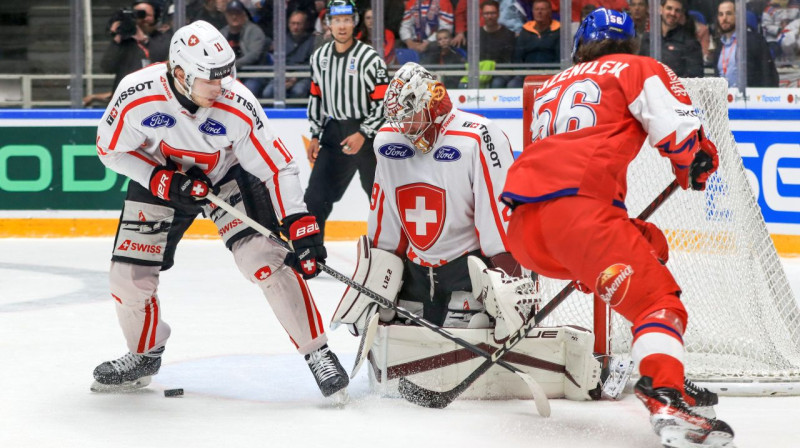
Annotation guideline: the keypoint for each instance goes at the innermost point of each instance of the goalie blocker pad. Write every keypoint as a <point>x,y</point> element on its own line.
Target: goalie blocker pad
<point>377,270</point>
<point>559,358</point>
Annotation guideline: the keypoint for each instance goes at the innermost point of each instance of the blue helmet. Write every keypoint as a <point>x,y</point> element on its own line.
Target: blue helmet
<point>603,24</point>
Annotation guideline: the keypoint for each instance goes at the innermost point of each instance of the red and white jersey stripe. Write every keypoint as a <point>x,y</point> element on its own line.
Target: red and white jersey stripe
<point>438,206</point>
<point>144,126</point>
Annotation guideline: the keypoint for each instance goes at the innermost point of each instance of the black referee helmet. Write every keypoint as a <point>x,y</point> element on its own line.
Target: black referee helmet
<point>341,8</point>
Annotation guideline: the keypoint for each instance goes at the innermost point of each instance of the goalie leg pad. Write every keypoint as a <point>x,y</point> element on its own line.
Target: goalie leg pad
<point>377,270</point>
<point>582,369</point>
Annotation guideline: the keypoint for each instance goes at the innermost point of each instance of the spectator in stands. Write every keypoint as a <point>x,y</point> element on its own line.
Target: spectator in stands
<point>265,15</point>
<point>695,23</point>
<point>212,11</point>
<point>761,71</point>
<point>640,14</point>
<point>130,50</point>
<point>680,49</point>
<point>442,53</point>
<point>497,41</point>
<point>299,46</point>
<point>460,23</point>
<point>365,35</point>
<point>515,13</point>
<point>323,35</point>
<point>538,42</point>
<point>421,20</point>
<point>775,18</point>
<point>393,11</point>
<point>244,36</point>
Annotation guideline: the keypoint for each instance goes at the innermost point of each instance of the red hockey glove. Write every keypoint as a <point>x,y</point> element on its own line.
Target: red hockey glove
<point>307,245</point>
<point>189,189</point>
<point>705,162</point>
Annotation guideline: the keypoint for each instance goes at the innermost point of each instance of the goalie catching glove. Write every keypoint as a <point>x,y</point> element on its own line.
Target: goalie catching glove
<point>184,189</point>
<point>377,270</point>
<point>306,242</point>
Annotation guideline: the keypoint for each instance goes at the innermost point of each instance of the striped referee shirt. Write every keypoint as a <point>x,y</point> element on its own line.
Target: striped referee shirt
<point>346,86</point>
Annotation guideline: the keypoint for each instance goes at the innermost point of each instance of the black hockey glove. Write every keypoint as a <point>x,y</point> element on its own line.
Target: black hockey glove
<point>306,241</point>
<point>185,189</point>
<point>705,162</point>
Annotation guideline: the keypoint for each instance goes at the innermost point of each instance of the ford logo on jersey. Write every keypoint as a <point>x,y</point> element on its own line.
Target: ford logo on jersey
<point>212,127</point>
<point>446,154</point>
<point>158,120</point>
<point>396,151</point>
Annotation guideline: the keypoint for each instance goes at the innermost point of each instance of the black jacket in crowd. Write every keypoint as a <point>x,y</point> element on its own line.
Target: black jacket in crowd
<point>761,71</point>
<point>680,51</point>
<point>127,56</point>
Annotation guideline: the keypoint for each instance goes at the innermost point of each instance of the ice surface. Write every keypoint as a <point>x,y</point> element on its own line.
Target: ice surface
<point>245,385</point>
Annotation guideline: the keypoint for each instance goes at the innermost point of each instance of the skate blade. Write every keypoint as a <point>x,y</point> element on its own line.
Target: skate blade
<point>676,437</point>
<point>127,386</point>
<point>340,398</point>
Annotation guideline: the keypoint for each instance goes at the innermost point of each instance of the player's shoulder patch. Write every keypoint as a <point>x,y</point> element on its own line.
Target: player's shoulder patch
<point>132,87</point>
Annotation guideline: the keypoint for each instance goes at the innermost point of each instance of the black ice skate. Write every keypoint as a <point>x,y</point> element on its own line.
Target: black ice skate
<point>330,375</point>
<point>677,424</point>
<point>130,372</point>
<point>700,399</point>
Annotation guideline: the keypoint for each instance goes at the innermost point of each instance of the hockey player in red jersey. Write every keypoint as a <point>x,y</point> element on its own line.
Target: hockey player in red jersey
<point>568,192</point>
<point>178,129</point>
<point>435,198</point>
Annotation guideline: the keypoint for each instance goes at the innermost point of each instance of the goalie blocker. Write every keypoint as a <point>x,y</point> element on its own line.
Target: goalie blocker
<point>559,358</point>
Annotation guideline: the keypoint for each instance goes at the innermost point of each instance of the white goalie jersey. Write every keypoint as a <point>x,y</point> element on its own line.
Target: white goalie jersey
<point>437,206</point>
<point>234,130</point>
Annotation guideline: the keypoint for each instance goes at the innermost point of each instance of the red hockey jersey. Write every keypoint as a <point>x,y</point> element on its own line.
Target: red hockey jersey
<point>589,123</point>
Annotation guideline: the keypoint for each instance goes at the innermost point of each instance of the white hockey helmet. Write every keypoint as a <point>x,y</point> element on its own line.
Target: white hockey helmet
<point>202,52</point>
<point>415,105</point>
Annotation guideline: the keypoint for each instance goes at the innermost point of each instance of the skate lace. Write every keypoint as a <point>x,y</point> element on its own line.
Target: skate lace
<point>126,363</point>
<point>322,365</point>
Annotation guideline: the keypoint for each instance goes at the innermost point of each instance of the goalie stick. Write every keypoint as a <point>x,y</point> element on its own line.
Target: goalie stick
<point>539,397</point>
<point>432,399</point>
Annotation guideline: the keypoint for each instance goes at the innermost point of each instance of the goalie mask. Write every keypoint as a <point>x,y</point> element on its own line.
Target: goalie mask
<point>415,105</point>
<point>203,53</point>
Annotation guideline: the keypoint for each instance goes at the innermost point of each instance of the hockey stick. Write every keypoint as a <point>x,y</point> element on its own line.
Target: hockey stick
<point>539,397</point>
<point>365,344</point>
<point>432,399</point>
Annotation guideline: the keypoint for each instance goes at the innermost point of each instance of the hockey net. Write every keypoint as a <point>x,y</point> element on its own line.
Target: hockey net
<point>743,336</point>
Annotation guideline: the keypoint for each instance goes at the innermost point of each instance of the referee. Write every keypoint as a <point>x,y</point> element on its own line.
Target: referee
<point>348,81</point>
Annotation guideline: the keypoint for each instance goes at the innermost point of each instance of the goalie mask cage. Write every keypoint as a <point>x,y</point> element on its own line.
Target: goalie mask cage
<point>743,335</point>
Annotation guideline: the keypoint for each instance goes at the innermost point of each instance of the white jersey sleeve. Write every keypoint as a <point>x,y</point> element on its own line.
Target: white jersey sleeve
<point>119,141</point>
<point>262,153</point>
<point>383,224</point>
<point>494,157</point>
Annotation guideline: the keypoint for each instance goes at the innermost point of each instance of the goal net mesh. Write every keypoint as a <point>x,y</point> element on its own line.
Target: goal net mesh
<point>744,323</point>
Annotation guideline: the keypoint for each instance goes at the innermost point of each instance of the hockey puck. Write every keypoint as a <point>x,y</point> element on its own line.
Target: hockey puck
<point>173,393</point>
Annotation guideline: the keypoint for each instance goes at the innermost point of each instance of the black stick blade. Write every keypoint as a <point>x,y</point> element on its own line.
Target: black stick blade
<point>421,396</point>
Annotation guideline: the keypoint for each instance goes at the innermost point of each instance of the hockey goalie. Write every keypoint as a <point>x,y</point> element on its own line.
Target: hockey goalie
<point>437,247</point>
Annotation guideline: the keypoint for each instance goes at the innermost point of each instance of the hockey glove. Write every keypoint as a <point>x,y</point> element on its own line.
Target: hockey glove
<point>185,189</point>
<point>705,162</point>
<point>306,241</point>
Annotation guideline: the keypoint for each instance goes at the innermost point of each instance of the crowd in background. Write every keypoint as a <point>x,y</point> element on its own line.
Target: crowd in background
<point>696,35</point>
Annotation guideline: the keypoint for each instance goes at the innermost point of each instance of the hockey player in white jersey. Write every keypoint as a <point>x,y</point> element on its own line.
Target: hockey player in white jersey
<point>178,129</point>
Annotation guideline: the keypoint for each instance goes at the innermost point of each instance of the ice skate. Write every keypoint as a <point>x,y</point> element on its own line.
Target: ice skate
<point>130,372</point>
<point>329,373</point>
<point>700,399</point>
<point>677,424</point>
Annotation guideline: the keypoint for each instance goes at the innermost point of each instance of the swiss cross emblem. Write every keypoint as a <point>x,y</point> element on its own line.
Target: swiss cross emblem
<point>422,209</point>
<point>309,266</point>
<point>193,40</point>
<point>186,159</point>
<point>263,273</point>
